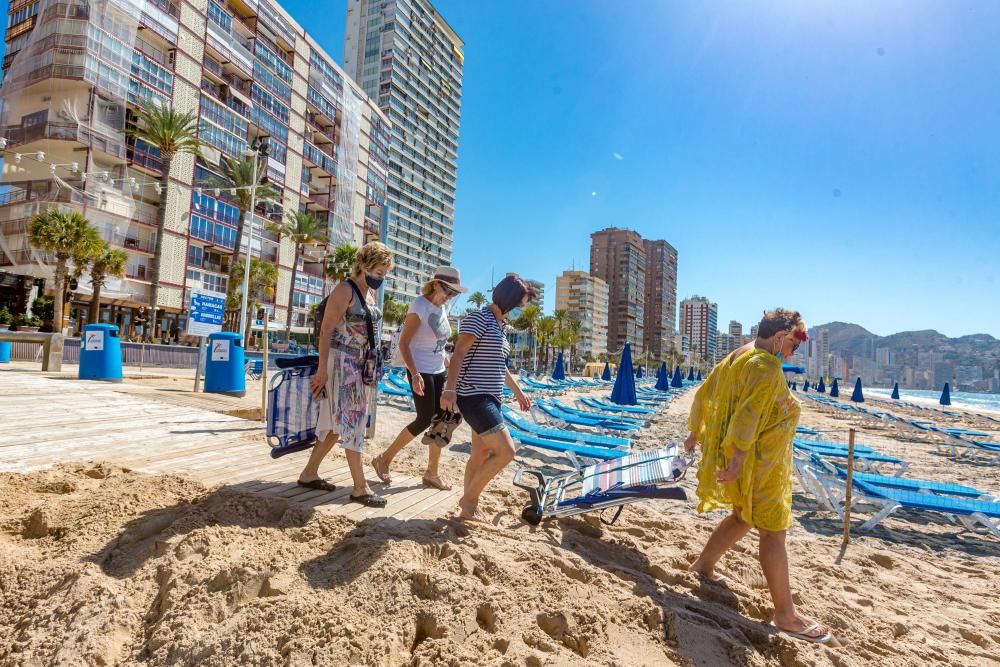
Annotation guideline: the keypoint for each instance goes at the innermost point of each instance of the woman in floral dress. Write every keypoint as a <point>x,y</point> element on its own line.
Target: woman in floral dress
<point>338,384</point>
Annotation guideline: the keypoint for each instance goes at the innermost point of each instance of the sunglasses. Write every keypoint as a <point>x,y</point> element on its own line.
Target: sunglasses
<point>449,291</point>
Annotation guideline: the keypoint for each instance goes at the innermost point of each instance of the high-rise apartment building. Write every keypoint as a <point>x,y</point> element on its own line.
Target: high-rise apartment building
<point>75,75</point>
<point>735,328</point>
<point>585,297</point>
<point>618,257</point>
<point>661,297</point>
<point>699,322</point>
<point>406,56</point>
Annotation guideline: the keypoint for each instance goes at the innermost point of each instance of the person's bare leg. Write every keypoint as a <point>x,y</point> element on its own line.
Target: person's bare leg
<point>431,475</point>
<point>500,452</point>
<point>731,530</point>
<point>357,468</point>
<point>319,451</point>
<point>382,461</point>
<point>774,561</point>
<point>477,457</point>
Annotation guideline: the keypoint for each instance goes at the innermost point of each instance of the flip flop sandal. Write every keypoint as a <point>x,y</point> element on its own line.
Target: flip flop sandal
<point>431,434</point>
<point>369,500</point>
<point>448,426</point>
<point>383,476</point>
<point>805,636</point>
<point>317,484</point>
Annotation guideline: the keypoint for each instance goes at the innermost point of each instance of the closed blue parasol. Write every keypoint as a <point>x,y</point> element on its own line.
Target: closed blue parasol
<point>560,372</point>
<point>794,386</point>
<point>606,375</point>
<point>624,389</point>
<point>805,386</point>
<point>640,373</point>
<point>699,375</point>
<point>946,395</point>
<point>834,389</point>
<point>691,374</point>
<point>895,391</point>
<point>677,382</point>
<point>822,386</point>
<point>858,396</point>
<point>662,381</point>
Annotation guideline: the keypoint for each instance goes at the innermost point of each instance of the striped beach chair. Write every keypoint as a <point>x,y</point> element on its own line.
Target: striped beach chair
<point>621,481</point>
<point>292,412</point>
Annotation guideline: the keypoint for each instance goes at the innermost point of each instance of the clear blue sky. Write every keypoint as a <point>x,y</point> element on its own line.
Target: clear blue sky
<point>841,158</point>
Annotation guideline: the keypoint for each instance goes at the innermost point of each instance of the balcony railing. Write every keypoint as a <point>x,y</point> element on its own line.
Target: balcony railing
<point>139,245</point>
<point>138,272</point>
<point>18,135</point>
<point>142,157</point>
<point>319,158</point>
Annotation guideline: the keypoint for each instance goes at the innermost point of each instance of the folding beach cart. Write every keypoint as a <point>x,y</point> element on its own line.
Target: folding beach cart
<point>292,412</point>
<point>629,479</point>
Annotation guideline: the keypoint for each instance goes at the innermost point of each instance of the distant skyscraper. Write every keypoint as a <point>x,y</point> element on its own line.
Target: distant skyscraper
<point>661,297</point>
<point>618,257</point>
<point>585,297</point>
<point>406,56</point>
<point>753,331</point>
<point>699,322</point>
<point>735,328</point>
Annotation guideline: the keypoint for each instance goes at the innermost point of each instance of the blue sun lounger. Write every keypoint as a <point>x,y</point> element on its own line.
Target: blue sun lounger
<point>970,513</point>
<point>605,406</point>
<point>865,461</point>
<point>571,449</point>
<point>615,483</point>
<point>918,485</point>
<point>822,444</point>
<point>596,415</point>
<point>578,437</point>
<point>563,417</point>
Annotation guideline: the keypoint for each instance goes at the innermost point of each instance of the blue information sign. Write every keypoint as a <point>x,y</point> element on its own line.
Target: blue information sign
<point>207,310</point>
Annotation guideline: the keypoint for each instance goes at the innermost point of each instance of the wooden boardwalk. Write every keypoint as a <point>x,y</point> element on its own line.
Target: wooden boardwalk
<point>45,421</point>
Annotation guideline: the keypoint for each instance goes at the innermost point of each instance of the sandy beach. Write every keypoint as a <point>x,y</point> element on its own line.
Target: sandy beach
<point>103,566</point>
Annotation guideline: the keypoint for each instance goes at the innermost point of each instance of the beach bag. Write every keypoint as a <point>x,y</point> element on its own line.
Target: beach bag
<point>292,412</point>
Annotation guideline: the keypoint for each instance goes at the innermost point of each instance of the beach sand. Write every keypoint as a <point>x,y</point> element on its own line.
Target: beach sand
<point>103,566</point>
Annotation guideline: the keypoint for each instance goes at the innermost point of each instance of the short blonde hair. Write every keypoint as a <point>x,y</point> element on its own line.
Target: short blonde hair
<point>428,289</point>
<point>371,256</point>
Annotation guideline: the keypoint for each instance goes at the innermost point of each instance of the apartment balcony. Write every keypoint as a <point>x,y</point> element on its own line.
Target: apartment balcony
<point>21,137</point>
<point>37,191</point>
<point>232,48</point>
<point>317,158</point>
<point>21,28</point>
<point>140,156</point>
<point>136,244</point>
<point>23,257</point>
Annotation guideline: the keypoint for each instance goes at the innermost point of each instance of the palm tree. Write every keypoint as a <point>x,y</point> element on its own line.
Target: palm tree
<point>245,185</point>
<point>528,321</point>
<point>170,132</point>
<point>66,235</point>
<point>109,263</point>
<point>263,276</point>
<point>477,299</point>
<point>340,265</point>
<point>394,312</point>
<point>302,228</point>
<point>546,328</point>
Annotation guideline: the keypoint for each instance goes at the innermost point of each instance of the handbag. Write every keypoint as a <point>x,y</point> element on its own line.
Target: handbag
<point>373,360</point>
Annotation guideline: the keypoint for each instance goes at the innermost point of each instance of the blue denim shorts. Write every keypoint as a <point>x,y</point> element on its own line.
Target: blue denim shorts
<point>482,412</point>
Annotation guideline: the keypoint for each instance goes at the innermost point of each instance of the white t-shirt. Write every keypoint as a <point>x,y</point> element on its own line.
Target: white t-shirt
<point>427,344</point>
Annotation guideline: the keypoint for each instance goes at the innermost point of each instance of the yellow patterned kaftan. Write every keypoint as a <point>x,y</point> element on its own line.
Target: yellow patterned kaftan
<point>745,404</point>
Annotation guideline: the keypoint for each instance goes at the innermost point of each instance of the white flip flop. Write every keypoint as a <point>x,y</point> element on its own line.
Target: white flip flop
<point>804,635</point>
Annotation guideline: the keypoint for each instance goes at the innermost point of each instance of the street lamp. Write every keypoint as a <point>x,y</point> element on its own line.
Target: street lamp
<point>259,149</point>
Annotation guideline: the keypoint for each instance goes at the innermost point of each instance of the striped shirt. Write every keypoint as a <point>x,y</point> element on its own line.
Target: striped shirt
<point>485,364</point>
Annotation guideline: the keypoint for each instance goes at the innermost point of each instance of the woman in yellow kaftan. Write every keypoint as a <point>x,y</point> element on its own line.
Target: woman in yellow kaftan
<point>744,418</point>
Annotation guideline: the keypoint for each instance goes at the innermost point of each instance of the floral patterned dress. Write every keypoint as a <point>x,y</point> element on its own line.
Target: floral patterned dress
<point>745,404</point>
<point>344,411</point>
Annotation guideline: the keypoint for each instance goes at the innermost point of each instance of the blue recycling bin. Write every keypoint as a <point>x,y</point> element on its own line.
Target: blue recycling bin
<point>225,370</point>
<point>4,352</point>
<point>100,353</point>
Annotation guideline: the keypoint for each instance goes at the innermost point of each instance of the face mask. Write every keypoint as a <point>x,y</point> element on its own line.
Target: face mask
<point>373,282</point>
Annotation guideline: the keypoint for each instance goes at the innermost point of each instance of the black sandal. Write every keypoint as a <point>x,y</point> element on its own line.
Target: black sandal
<point>369,500</point>
<point>318,485</point>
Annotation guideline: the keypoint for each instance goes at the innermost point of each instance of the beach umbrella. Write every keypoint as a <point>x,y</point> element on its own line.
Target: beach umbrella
<point>834,389</point>
<point>805,385</point>
<point>946,395</point>
<point>690,374</point>
<point>858,396</point>
<point>788,368</point>
<point>640,373</point>
<point>699,375</point>
<point>822,387</point>
<point>662,381</point>
<point>794,387</point>
<point>624,389</point>
<point>895,391</point>
<point>606,375</point>
<point>560,372</point>
<point>677,382</point>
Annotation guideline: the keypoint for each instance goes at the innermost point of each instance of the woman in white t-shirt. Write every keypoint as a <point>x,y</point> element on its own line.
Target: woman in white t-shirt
<point>426,331</point>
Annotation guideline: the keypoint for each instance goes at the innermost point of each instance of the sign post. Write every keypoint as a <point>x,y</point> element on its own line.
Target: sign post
<point>204,318</point>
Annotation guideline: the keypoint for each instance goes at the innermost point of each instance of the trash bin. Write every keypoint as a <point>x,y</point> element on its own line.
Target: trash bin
<point>4,352</point>
<point>225,372</point>
<point>100,353</point>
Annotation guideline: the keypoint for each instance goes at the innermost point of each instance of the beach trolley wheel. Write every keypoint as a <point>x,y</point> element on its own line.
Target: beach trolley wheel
<point>530,515</point>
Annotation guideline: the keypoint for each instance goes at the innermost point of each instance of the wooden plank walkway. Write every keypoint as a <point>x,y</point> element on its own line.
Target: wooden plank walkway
<point>45,421</point>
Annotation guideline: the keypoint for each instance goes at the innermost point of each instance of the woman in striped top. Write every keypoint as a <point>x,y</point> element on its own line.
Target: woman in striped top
<point>476,376</point>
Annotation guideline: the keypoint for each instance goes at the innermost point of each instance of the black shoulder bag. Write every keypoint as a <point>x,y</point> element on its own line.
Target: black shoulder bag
<point>373,363</point>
